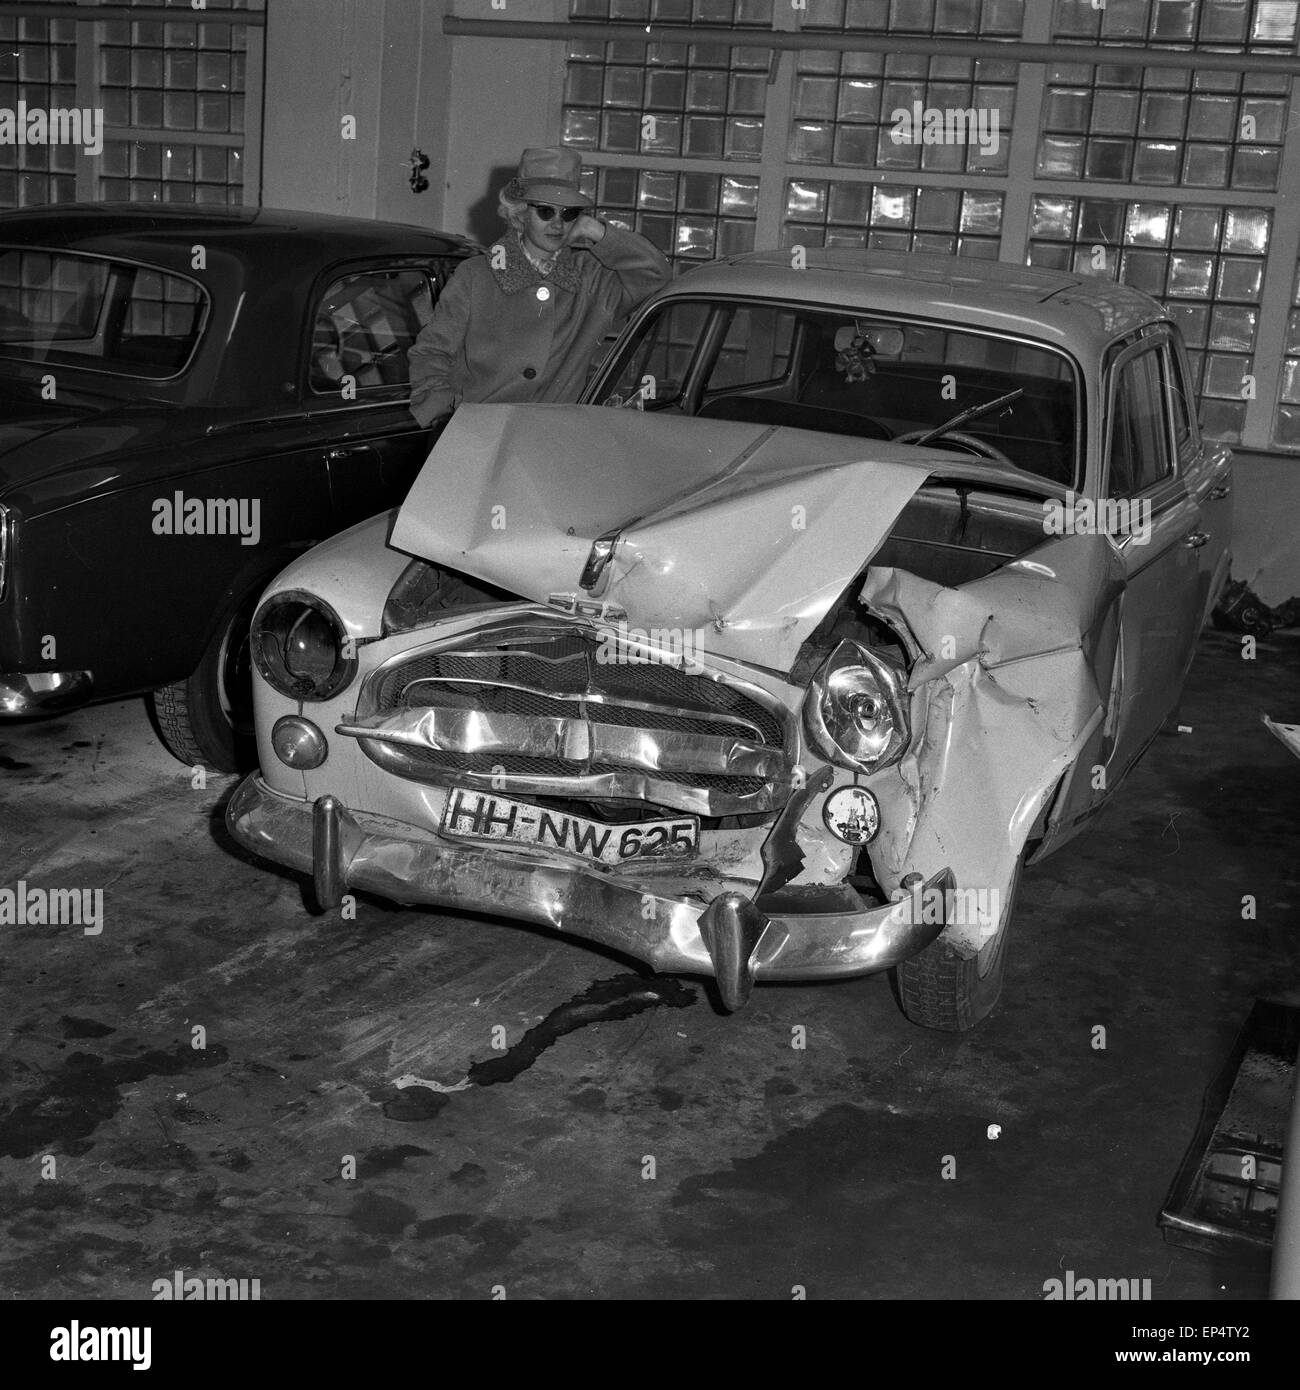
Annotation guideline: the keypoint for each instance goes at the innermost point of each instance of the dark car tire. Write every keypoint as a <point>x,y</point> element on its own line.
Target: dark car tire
<point>942,990</point>
<point>207,719</point>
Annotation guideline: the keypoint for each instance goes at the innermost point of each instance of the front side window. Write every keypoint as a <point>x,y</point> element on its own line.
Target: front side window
<point>110,316</point>
<point>854,373</point>
<point>1139,444</point>
<point>363,327</point>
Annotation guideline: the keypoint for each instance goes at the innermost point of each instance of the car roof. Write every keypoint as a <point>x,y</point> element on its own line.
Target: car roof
<point>1057,306</point>
<point>127,229</point>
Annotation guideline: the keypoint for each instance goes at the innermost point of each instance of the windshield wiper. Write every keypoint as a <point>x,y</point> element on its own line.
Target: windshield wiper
<point>973,413</point>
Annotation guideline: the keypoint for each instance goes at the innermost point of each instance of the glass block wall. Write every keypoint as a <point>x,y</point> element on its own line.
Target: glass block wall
<point>1186,136</point>
<point>681,105</point>
<point>1173,181</point>
<point>38,66</point>
<point>1205,263</point>
<point>887,217</point>
<point>174,97</point>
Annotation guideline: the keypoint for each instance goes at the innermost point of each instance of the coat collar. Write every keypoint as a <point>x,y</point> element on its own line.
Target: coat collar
<point>519,273</point>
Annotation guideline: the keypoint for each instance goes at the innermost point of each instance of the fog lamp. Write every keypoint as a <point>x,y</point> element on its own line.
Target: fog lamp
<point>852,815</point>
<point>298,742</point>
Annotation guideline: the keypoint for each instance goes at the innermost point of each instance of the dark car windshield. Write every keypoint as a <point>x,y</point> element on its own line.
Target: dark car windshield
<point>855,373</point>
<point>101,314</point>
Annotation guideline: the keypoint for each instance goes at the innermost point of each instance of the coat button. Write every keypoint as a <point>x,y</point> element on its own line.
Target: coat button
<point>530,372</point>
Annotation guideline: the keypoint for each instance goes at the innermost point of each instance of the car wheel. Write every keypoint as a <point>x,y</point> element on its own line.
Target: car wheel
<point>951,993</point>
<point>207,719</point>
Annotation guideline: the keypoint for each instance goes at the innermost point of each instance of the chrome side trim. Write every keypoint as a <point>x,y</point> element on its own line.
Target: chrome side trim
<point>40,692</point>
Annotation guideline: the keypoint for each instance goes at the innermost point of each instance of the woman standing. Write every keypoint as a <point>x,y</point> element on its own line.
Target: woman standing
<point>523,322</point>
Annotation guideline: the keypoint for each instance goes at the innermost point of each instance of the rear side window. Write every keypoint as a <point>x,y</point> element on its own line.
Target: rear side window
<point>363,328</point>
<point>108,315</point>
<point>1140,456</point>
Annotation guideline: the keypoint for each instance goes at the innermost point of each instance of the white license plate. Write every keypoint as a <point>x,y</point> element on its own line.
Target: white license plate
<point>470,815</point>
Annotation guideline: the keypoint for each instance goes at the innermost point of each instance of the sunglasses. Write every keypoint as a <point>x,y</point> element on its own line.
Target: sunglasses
<point>546,212</point>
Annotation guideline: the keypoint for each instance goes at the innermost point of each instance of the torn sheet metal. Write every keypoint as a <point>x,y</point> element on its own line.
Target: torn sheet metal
<point>1287,733</point>
<point>740,533</point>
<point>1006,695</point>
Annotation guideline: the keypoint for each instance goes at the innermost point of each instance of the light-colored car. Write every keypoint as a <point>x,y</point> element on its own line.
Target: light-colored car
<point>847,590</point>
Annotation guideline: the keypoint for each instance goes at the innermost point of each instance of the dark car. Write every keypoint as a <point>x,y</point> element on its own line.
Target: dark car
<point>188,399</point>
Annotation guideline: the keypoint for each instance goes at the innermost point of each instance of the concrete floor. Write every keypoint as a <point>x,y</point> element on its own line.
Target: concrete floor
<point>773,1167</point>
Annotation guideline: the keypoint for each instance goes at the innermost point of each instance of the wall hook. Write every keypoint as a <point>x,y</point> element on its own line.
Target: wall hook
<point>418,162</point>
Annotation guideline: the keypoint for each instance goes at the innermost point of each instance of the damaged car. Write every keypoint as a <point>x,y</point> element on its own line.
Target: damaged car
<point>846,591</point>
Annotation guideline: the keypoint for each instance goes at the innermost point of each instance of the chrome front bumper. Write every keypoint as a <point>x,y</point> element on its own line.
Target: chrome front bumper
<point>731,938</point>
<point>42,692</point>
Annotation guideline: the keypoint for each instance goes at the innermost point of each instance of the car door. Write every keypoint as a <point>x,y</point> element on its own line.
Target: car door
<point>1206,469</point>
<point>1160,612</point>
<point>362,320</point>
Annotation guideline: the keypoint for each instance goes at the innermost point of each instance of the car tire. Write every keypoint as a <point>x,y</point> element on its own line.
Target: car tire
<point>950,993</point>
<point>207,719</point>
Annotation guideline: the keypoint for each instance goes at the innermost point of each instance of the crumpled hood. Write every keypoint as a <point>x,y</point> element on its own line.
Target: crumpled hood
<point>740,534</point>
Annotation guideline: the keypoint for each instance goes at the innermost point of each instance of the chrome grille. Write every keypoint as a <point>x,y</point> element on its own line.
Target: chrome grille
<point>549,671</point>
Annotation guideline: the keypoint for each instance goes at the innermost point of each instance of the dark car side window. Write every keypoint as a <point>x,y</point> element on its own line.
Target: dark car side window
<point>362,329</point>
<point>99,314</point>
<point>1140,456</point>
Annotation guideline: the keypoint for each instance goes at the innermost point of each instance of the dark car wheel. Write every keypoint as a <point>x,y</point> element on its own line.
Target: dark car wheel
<point>208,718</point>
<point>942,990</point>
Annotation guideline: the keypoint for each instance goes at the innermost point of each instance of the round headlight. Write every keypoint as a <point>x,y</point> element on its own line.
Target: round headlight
<point>300,647</point>
<point>856,709</point>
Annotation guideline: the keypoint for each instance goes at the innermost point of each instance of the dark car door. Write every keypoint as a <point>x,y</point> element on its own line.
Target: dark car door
<point>362,321</point>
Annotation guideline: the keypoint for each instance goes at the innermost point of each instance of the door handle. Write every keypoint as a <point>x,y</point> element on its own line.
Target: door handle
<point>1197,539</point>
<point>350,451</point>
<point>1217,494</point>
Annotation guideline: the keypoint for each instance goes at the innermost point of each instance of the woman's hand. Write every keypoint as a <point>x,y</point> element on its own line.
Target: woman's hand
<point>587,231</point>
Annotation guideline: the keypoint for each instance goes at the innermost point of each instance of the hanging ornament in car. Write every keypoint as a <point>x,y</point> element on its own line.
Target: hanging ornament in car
<point>853,353</point>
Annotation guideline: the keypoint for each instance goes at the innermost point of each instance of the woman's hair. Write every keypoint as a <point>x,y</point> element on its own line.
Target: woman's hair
<point>511,209</point>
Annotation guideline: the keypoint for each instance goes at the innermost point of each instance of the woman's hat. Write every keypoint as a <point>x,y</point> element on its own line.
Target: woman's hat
<point>549,175</point>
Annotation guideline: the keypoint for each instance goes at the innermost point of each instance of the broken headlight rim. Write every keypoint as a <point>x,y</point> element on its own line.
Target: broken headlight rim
<point>301,648</point>
<point>855,711</point>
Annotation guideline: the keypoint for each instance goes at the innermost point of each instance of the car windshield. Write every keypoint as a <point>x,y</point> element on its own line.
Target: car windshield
<point>854,373</point>
<point>101,314</point>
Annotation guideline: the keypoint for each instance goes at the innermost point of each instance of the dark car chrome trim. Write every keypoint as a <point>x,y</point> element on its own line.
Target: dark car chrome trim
<point>38,692</point>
